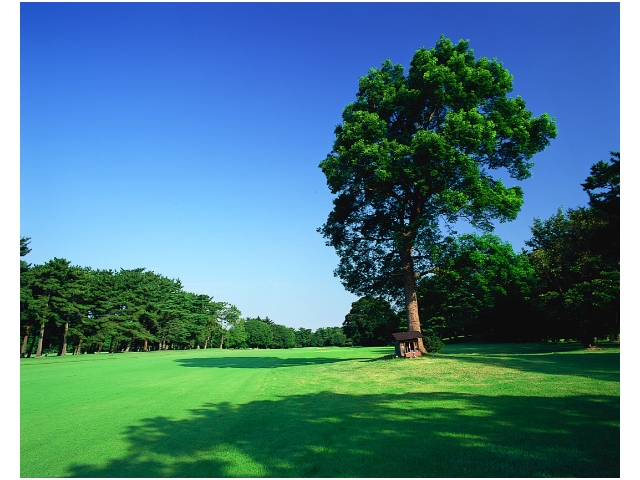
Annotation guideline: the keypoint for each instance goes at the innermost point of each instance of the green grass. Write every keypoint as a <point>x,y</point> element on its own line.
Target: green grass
<point>475,410</point>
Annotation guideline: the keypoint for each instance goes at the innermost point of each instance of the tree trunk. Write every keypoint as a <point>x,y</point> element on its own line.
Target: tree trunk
<point>63,348</point>
<point>411,296</point>
<point>25,340</point>
<point>145,348</point>
<point>39,349</point>
<point>78,349</point>
<point>30,348</point>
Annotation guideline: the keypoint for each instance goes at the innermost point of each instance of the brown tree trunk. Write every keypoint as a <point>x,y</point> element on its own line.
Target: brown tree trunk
<point>411,296</point>
<point>39,349</point>
<point>63,348</point>
<point>25,340</point>
<point>145,348</point>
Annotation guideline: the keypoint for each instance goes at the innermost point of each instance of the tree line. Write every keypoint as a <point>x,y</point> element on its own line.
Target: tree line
<point>71,309</point>
<point>565,285</point>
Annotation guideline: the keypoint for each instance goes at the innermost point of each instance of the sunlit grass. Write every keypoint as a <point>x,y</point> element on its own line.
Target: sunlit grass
<point>473,411</point>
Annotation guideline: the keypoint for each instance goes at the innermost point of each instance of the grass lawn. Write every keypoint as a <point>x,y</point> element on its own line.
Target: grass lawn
<point>475,410</point>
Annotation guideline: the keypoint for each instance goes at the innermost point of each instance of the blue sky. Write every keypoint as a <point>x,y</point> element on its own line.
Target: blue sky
<point>185,138</point>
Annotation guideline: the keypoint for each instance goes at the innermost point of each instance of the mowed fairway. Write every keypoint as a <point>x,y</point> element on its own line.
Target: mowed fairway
<point>473,411</point>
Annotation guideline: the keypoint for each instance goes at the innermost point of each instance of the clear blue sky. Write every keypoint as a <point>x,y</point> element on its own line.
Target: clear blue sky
<point>185,138</point>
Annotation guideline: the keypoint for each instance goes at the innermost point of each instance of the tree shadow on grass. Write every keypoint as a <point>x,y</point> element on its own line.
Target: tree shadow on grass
<point>489,347</point>
<point>384,435</point>
<point>597,366</point>
<point>258,362</point>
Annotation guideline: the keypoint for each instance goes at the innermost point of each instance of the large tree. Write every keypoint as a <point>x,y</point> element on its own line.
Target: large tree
<point>413,155</point>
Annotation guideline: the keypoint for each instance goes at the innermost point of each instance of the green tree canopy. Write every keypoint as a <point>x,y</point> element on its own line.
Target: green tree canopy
<point>603,185</point>
<point>480,285</point>
<point>259,333</point>
<point>579,287</point>
<point>370,322</point>
<point>413,155</point>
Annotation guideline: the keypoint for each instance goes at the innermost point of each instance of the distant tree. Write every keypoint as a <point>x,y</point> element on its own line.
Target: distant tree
<point>57,298</point>
<point>26,296</point>
<point>335,337</point>
<point>579,293</point>
<point>238,335</point>
<point>24,246</point>
<point>283,337</point>
<point>414,154</point>
<point>603,189</point>
<point>370,322</point>
<point>303,337</point>
<point>576,255</point>
<point>228,317</point>
<point>259,334</point>
<point>603,185</point>
<point>480,285</point>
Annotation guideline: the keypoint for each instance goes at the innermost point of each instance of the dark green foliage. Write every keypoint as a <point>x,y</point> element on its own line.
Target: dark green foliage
<point>283,337</point>
<point>370,322</point>
<point>56,298</point>
<point>259,333</point>
<point>480,285</point>
<point>432,341</point>
<point>303,337</point>
<point>238,336</point>
<point>579,283</point>
<point>24,246</point>
<point>67,308</point>
<point>576,255</point>
<point>322,337</point>
<point>603,185</point>
<point>329,337</point>
<point>81,310</point>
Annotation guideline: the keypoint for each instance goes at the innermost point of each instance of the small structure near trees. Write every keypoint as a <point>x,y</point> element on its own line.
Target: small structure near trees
<point>407,344</point>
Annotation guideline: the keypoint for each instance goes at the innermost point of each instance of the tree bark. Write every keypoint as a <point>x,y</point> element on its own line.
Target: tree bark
<point>411,296</point>
<point>25,340</point>
<point>63,348</point>
<point>39,349</point>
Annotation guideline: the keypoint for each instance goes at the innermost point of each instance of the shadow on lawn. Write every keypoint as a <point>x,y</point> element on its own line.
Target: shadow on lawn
<point>258,362</point>
<point>593,365</point>
<point>385,435</point>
